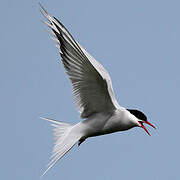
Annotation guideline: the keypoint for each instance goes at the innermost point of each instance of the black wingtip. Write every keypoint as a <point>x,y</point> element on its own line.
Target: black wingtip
<point>41,6</point>
<point>42,9</point>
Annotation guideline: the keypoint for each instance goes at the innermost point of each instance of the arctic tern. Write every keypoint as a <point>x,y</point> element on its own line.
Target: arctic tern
<point>93,96</point>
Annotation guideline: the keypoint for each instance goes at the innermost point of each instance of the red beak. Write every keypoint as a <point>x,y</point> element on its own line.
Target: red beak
<point>141,123</point>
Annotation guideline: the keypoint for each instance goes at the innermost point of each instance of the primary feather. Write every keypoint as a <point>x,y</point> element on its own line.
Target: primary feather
<point>92,87</point>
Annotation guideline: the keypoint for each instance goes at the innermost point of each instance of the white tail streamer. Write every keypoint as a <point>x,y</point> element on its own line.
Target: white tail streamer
<point>65,138</point>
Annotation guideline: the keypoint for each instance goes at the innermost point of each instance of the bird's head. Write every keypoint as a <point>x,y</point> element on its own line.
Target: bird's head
<point>141,119</point>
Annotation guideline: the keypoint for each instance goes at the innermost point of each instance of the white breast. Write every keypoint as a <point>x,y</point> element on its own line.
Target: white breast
<point>104,123</point>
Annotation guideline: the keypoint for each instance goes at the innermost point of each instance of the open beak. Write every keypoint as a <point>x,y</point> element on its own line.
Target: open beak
<point>141,124</point>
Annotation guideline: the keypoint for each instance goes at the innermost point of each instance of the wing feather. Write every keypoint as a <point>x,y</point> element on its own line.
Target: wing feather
<point>92,86</point>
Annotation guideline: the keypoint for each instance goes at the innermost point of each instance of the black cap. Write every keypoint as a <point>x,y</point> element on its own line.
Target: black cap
<point>140,115</point>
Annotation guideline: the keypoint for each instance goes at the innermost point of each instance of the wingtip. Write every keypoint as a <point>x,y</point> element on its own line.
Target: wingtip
<point>43,10</point>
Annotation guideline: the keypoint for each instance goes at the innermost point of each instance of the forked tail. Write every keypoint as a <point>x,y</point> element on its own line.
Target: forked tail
<point>65,139</point>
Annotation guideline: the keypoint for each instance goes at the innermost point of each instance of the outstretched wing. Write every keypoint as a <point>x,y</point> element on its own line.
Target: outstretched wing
<point>92,87</point>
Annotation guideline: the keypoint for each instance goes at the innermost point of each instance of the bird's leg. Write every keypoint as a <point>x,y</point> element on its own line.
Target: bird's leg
<point>80,141</point>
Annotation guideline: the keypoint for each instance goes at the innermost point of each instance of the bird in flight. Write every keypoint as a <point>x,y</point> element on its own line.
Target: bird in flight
<point>93,96</point>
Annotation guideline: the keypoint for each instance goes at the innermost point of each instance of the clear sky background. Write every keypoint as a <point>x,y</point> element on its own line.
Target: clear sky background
<point>137,41</point>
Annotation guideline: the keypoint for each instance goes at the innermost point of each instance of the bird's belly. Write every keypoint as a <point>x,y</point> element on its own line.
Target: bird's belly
<point>113,126</point>
<point>105,124</point>
<point>93,126</point>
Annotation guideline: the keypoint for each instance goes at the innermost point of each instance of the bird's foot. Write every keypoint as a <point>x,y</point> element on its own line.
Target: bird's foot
<point>80,141</point>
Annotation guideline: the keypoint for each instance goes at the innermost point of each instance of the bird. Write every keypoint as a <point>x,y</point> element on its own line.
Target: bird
<point>93,95</point>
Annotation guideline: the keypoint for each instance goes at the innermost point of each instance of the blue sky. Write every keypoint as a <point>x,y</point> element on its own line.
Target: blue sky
<point>138,42</point>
